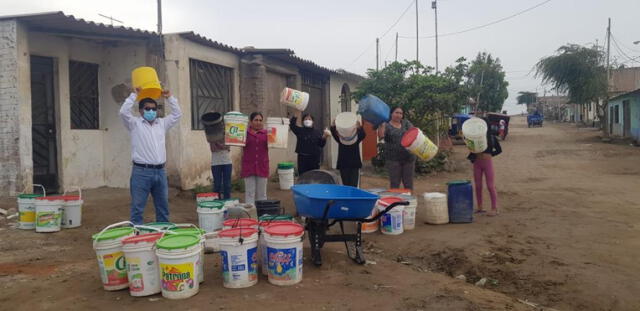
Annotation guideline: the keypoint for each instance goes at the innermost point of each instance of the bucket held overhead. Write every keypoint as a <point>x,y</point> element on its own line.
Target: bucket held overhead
<point>294,98</point>
<point>147,80</point>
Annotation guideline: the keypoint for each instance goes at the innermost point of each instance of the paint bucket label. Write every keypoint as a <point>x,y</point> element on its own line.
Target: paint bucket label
<point>48,219</point>
<point>136,281</point>
<point>272,135</point>
<point>28,216</point>
<point>252,263</point>
<point>391,222</point>
<point>236,133</point>
<point>235,269</point>
<point>177,277</point>
<point>113,269</point>
<point>282,263</point>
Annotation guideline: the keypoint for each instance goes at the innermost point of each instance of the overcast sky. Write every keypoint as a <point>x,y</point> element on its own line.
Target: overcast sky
<point>341,34</point>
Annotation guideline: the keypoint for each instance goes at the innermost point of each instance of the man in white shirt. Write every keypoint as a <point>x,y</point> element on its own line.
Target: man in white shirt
<point>148,153</point>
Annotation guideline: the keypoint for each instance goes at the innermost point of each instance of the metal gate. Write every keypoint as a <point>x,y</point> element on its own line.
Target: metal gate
<point>211,90</point>
<point>43,130</point>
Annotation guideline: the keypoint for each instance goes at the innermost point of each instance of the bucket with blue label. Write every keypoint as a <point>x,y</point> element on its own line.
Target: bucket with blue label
<point>239,253</point>
<point>284,253</point>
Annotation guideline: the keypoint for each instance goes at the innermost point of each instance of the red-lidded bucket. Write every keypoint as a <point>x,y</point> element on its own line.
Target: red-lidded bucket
<point>284,253</point>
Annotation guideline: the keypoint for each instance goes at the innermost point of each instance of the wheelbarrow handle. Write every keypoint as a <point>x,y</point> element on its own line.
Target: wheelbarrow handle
<point>386,210</point>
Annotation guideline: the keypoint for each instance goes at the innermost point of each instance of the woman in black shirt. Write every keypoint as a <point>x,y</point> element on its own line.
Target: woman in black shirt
<point>310,142</point>
<point>349,162</point>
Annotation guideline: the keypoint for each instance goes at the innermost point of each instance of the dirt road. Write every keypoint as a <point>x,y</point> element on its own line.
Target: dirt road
<point>567,238</point>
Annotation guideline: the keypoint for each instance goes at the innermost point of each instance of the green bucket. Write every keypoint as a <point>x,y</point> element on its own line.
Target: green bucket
<point>285,165</point>
<point>276,218</point>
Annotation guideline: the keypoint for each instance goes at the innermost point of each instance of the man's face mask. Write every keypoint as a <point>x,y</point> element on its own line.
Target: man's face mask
<point>149,114</point>
<point>307,123</point>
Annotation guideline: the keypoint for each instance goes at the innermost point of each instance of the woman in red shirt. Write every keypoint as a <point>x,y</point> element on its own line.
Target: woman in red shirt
<point>255,160</point>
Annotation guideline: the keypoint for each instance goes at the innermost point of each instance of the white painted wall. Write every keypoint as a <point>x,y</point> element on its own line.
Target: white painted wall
<point>335,90</point>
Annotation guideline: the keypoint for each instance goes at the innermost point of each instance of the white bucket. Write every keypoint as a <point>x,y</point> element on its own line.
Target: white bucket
<point>48,214</point>
<point>239,257</point>
<point>211,242</point>
<point>72,210</point>
<point>475,134</point>
<point>294,98</point>
<point>286,178</point>
<point>27,212</point>
<point>235,128</point>
<point>142,264</point>
<point>193,230</point>
<point>409,215</point>
<point>178,256</point>
<point>211,215</point>
<point>392,222</point>
<point>278,132</point>
<point>436,209</point>
<point>208,196</point>
<point>111,261</point>
<point>262,244</point>
<point>284,253</point>
<point>419,144</point>
<point>241,223</point>
<point>346,125</point>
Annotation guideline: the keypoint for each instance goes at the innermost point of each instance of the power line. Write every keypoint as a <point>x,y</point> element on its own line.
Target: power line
<point>485,25</point>
<point>626,47</point>
<point>383,35</point>
<point>615,44</point>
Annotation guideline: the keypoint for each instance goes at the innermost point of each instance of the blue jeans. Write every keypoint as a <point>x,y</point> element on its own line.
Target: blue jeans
<point>144,181</point>
<point>222,180</point>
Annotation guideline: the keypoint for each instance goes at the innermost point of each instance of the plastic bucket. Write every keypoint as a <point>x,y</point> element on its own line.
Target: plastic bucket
<point>392,222</point>
<point>475,134</point>
<point>239,254</point>
<point>371,227</point>
<point>409,214</point>
<point>152,227</point>
<point>213,126</point>
<point>417,143</point>
<point>72,210</point>
<point>284,253</point>
<point>270,207</point>
<point>460,201</point>
<point>294,98</point>
<point>436,211</point>
<point>147,80</point>
<point>211,215</point>
<point>111,261</point>
<point>262,244</point>
<point>193,230</point>
<point>374,110</point>
<point>235,128</point>
<point>241,223</point>
<point>48,213</point>
<point>278,132</point>
<point>286,178</point>
<point>178,257</point>
<point>207,196</point>
<point>142,264</point>
<point>27,210</point>
<point>211,242</point>
<point>346,125</point>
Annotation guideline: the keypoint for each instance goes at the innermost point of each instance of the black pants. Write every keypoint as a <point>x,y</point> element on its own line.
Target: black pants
<point>350,176</point>
<point>307,163</point>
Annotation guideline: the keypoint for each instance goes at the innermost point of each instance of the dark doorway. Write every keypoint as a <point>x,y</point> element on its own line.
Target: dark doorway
<point>626,117</point>
<point>43,130</point>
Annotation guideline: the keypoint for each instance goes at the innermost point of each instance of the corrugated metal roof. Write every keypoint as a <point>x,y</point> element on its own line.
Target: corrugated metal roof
<point>190,35</point>
<point>58,22</point>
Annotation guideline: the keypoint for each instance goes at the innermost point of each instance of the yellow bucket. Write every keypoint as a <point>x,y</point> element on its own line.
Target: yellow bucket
<point>147,80</point>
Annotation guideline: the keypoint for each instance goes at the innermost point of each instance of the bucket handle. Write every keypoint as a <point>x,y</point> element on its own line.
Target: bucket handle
<point>111,226</point>
<point>147,228</point>
<point>76,187</point>
<point>44,191</point>
<point>185,225</point>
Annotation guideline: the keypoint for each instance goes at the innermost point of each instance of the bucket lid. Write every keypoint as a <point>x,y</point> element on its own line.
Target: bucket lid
<point>409,136</point>
<point>147,237</point>
<point>267,223</point>
<point>159,225</point>
<point>113,234</point>
<point>29,196</point>
<point>236,232</point>
<point>285,229</point>
<point>207,195</point>
<point>267,217</point>
<point>178,241</point>
<point>187,230</point>
<point>235,114</point>
<point>240,222</point>
<point>386,201</point>
<point>285,165</point>
<point>458,182</point>
<point>71,198</point>
<point>211,204</point>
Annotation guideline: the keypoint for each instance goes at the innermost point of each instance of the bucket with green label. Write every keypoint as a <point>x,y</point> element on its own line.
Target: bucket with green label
<point>48,215</point>
<point>111,261</point>
<point>178,256</point>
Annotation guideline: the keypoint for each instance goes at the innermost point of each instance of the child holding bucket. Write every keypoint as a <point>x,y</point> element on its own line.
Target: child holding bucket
<point>349,162</point>
<point>483,164</point>
<point>399,162</point>
<point>255,160</point>
<point>221,169</point>
<point>310,142</point>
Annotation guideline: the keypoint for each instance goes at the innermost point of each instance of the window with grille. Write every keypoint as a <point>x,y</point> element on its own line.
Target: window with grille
<point>211,90</point>
<point>345,98</point>
<point>84,100</point>
<point>616,114</point>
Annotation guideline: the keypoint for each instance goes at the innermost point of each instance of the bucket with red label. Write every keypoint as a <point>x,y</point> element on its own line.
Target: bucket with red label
<point>142,264</point>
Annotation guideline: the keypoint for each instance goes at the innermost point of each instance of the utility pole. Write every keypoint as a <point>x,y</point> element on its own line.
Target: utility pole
<point>396,46</point>
<point>434,5</point>
<point>377,53</point>
<point>606,101</point>
<point>159,17</point>
<point>417,36</point>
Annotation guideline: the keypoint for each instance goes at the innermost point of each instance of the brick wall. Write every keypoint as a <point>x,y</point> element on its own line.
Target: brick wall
<point>10,176</point>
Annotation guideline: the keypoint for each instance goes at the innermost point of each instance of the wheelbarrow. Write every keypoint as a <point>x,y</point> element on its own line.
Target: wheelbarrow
<point>324,206</point>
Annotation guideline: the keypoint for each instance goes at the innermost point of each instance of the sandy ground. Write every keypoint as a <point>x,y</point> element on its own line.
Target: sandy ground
<point>566,238</point>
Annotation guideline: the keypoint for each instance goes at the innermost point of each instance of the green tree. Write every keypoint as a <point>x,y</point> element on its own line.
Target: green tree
<point>486,83</point>
<point>579,71</point>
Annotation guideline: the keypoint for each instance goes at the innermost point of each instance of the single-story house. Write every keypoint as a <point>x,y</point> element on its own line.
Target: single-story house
<point>63,79</point>
<point>624,115</point>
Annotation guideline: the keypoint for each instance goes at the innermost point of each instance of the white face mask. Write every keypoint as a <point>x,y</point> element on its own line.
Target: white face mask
<point>307,123</point>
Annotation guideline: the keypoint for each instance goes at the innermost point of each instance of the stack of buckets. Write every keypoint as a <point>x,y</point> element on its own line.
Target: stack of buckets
<point>346,125</point>
<point>49,214</point>
<point>277,132</point>
<point>285,175</point>
<point>399,219</point>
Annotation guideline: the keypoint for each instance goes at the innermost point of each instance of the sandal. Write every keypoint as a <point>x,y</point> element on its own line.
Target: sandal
<point>492,213</point>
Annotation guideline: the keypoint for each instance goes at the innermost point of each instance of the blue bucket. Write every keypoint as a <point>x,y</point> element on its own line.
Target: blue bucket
<point>460,201</point>
<point>348,202</point>
<point>373,109</point>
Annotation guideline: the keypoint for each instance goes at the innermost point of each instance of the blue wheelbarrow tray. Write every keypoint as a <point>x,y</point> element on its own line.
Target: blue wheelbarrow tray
<point>346,202</point>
